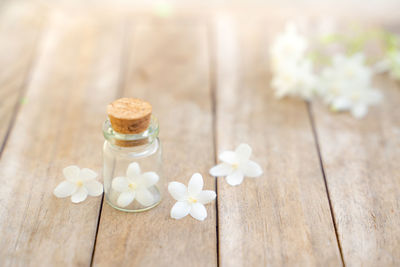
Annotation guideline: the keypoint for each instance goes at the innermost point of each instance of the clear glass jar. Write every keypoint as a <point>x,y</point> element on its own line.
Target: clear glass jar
<point>132,168</point>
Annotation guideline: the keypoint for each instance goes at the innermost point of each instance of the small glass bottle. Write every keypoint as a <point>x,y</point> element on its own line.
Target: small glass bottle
<point>132,168</point>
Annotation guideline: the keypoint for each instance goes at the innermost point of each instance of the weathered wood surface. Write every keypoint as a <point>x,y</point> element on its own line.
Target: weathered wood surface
<point>168,65</point>
<point>74,77</point>
<point>361,161</point>
<point>283,217</point>
<point>207,76</point>
<point>18,38</point>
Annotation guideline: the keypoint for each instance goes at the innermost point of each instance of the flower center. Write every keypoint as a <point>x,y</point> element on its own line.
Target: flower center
<point>132,186</point>
<point>79,183</point>
<point>235,166</point>
<point>192,200</point>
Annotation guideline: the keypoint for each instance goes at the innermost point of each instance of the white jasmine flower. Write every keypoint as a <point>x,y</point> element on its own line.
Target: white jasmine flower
<point>292,72</point>
<point>236,165</point>
<point>381,66</point>
<point>296,80</point>
<point>356,101</point>
<point>346,85</point>
<point>389,64</point>
<point>191,199</point>
<point>288,46</point>
<point>135,186</point>
<point>78,184</point>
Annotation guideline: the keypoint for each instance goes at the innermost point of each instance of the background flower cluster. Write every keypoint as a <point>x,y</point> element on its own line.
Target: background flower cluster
<point>344,80</point>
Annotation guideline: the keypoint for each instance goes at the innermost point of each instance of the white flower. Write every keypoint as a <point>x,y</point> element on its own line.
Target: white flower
<point>288,46</point>
<point>79,183</point>
<point>236,165</point>
<point>135,185</point>
<point>292,71</point>
<point>296,80</point>
<point>346,85</point>
<point>190,200</point>
<point>389,64</point>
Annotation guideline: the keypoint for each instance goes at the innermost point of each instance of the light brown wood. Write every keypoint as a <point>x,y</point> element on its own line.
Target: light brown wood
<point>168,65</point>
<point>74,78</point>
<point>361,160</point>
<point>281,218</point>
<point>55,96</point>
<point>18,38</point>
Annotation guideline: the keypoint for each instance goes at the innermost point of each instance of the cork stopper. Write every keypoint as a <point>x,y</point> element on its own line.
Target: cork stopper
<point>129,115</point>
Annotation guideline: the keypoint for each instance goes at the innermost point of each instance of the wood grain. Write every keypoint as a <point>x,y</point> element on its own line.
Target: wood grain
<point>18,37</point>
<point>168,66</point>
<point>361,160</point>
<point>283,217</point>
<point>75,76</point>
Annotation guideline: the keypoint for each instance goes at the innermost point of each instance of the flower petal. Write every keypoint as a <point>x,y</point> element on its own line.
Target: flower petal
<point>94,188</point>
<point>71,173</point>
<point>65,189</point>
<point>125,198</point>
<point>133,170</point>
<point>222,169</point>
<point>341,104</point>
<point>144,197</point>
<point>149,179</point>
<point>198,211</point>
<point>243,152</point>
<point>251,169</point>
<point>235,178</point>
<point>206,196</point>
<point>120,184</point>
<point>195,184</point>
<point>80,195</point>
<point>359,111</point>
<point>87,174</point>
<point>177,190</point>
<point>180,210</point>
<point>228,157</point>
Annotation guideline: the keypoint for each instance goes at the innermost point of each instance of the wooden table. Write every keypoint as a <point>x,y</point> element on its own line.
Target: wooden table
<point>330,193</point>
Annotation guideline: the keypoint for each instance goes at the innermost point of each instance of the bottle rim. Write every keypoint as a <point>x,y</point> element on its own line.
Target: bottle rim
<point>119,139</point>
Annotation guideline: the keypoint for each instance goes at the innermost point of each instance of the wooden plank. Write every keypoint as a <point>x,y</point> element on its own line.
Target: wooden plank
<point>18,37</point>
<point>282,218</point>
<point>76,75</point>
<point>168,66</point>
<point>361,160</point>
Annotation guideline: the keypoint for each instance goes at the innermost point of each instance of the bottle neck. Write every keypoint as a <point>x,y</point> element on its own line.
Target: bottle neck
<point>131,140</point>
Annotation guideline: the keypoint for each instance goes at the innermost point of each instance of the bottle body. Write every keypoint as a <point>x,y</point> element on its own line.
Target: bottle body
<point>132,173</point>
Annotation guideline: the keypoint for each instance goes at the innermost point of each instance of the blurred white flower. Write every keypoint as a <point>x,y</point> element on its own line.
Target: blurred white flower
<point>292,72</point>
<point>296,80</point>
<point>79,184</point>
<point>381,66</point>
<point>289,46</point>
<point>191,199</point>
<point>236,165</point>
<point>391,64</point>
<point>346,85</point>
<point>135,186</point>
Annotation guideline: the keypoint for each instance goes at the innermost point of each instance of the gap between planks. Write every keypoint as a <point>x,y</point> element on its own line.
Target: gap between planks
<point>124,56</point>
<point>312,122</point>
<point>213,95</point>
